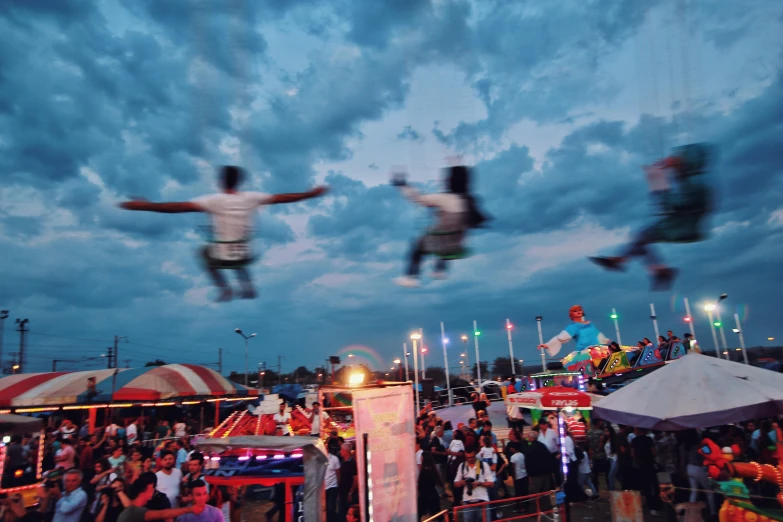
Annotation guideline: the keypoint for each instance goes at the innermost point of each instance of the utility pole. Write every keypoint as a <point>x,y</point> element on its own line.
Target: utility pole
<point>279,369</point>
<point>3,317</point>
<point>110,357</point>
<point>220,361</point>
<point>22,331</point>
<point>117,339</point>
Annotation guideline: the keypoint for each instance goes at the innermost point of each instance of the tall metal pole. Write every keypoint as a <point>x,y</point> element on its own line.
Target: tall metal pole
<point>509,326</point>
<point>416,376</point>
<point>690,317</point>
<point>478,358</point>
<point>722,332</point>
<point>445,341</point>
<point>22,331</point>
<point>617,327</point>
<point>247,366</point>
<point>220,361</point>
<point>3,317</point>
<point>741,338</point>
<point>714,335</point>
<point>405,358</point>
<point>655,323</point>
<point>421,351</point>
<point>539,319</point>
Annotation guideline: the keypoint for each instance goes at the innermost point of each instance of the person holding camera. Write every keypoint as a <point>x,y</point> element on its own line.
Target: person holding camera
<point>112,501</point>
<point>474,476</point>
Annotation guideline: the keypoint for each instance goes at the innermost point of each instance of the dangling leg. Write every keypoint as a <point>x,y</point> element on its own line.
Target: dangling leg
<point>414,265</point>
<point>640,247</point>
<point>441,265</point>
<point>243,275</point>
<point>217,278</point>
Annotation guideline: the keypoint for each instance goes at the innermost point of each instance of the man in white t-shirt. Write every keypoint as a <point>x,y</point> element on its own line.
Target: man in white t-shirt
<point>231,212</point>
<point>169,477</point>
<point>331,483</point>
<point>519,472</point>
<point>318,419</point>
<point>475,477</point>
<point>282,418</point>
<point>131,432</point>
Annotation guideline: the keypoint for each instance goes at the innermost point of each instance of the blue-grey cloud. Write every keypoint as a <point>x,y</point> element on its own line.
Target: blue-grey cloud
<point>408,133</point>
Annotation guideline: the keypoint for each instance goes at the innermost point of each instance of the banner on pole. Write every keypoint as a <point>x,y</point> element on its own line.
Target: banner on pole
<point>386,416</point>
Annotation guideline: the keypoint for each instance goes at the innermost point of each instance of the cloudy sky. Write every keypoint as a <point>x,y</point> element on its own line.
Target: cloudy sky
<point>557,104</point>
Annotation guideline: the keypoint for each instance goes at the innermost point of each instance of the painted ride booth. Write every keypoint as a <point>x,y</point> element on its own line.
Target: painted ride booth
<point>378,417</point>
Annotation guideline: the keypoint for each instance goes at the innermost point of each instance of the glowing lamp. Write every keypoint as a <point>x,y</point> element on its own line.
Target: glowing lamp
<point>716,324</point>
<point>613,316</point>
<point>356,378</point>
<point>476,333</point>
<point>709,307</point>
<point>687,319</point>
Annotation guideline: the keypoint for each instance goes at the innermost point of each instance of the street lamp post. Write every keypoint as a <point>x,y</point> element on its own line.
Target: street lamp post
<point>246,338</point>
<point>509,327</point>
<point>720,324</point>
<point>444,340</point>
<point>399,364</point>
<point>476,334</point>
<point>741,338</point>
<point>709,308</point>
<point>539,319</point>
<point>689,318</point>
<point>405,355</point>
<point>416,336</point>
<point>422,351</point>
<point>466,355</point>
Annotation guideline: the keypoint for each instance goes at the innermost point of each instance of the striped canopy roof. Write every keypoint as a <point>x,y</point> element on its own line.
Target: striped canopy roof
<point>152,383</point>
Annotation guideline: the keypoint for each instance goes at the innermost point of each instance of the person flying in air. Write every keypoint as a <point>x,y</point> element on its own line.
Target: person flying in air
<point>457,212</point>
<point>683,209</point>
<point>231,212</point>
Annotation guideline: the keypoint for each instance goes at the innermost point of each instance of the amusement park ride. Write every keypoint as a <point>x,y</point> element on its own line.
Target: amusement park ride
<point>243,450</point>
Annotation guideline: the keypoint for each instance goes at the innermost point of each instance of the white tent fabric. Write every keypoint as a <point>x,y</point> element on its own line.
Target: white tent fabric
<point>695,391</point>
<point>314,454</point>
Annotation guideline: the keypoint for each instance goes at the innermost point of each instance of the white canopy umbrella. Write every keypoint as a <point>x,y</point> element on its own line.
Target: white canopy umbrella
<point>695,391</point>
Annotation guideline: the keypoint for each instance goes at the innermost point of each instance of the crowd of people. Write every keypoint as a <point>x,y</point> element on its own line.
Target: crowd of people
<point>468,464</point>
<point>111,476</point>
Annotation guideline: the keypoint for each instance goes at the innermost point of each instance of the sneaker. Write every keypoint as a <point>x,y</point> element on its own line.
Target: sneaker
<point>614,264</point>
<point>439,274</point>
<point>408,281</point>
<point>250,293</point>
<point>663,279</point>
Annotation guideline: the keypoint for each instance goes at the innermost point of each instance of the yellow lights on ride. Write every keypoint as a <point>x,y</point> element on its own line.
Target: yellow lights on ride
<point>415,336</point>
<point>356,379</point>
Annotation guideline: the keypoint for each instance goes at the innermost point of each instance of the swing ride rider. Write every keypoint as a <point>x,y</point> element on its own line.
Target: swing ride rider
<point>683,211</point>
<point>457,212</point>
<point>231,211</point>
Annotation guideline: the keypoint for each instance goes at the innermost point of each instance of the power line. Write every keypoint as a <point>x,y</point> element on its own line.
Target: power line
<point>74,338</point>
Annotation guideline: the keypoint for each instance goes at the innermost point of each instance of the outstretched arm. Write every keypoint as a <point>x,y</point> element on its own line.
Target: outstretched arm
<point>278,199</point>
<point>164,208</point>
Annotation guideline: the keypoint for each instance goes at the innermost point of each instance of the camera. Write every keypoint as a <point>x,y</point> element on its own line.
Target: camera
<point>469,485</point>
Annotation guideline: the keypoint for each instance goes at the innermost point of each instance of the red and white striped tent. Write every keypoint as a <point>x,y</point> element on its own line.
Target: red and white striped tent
<point>149,384</point>
<point>551,398</point>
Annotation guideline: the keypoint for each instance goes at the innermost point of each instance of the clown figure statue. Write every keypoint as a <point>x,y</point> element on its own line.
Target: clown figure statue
<point>585,333</point>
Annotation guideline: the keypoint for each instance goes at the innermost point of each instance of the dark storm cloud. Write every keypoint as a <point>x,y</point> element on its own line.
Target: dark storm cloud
<point>139,109</point>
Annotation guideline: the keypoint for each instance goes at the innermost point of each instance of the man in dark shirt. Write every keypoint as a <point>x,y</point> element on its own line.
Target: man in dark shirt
<point>159,500</point>
<point>347,485</point>
<point>539,464</point>
<point>643,455</point>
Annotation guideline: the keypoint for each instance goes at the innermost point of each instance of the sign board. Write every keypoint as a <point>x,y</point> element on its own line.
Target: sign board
<point>387,479</point>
